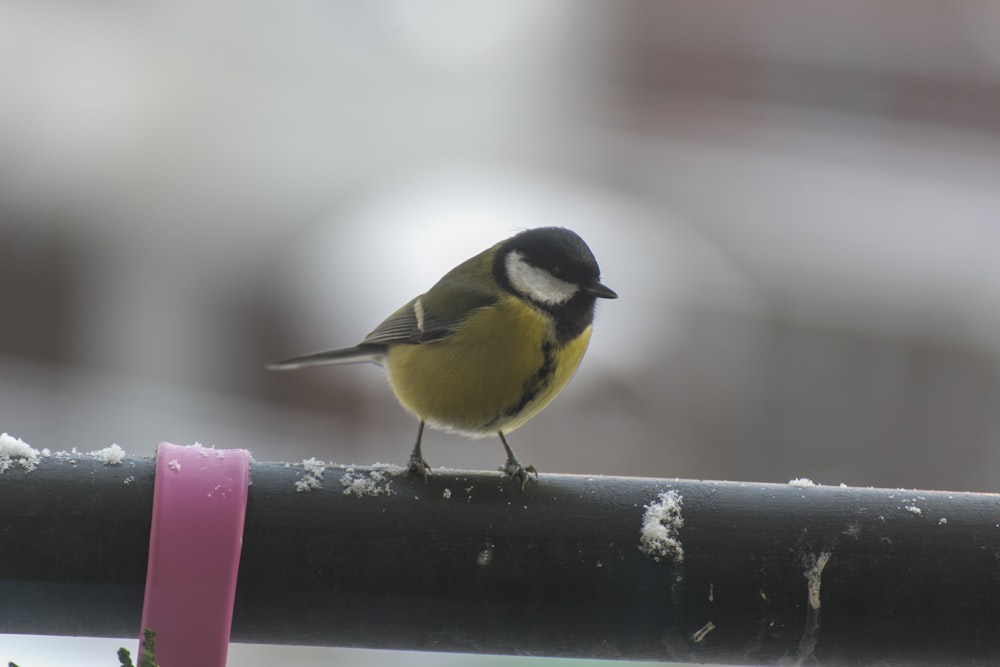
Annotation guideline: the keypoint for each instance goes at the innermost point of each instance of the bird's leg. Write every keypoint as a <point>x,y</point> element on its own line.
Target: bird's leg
<point>513,467</point>
<point>417,464</point>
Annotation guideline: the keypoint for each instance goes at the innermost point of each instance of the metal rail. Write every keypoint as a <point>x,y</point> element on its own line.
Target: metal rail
<point>729,572</point>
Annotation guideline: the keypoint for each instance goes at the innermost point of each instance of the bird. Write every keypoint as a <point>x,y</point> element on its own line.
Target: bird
<point>490,344</point>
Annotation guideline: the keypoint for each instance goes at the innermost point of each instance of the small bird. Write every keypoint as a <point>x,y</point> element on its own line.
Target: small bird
<point>489,345</point>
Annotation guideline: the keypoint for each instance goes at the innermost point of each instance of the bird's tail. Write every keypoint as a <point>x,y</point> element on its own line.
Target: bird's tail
<point>345,355</point>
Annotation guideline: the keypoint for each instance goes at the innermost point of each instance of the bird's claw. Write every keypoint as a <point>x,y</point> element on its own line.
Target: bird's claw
<point>515,470</point>
<point>419,467</point>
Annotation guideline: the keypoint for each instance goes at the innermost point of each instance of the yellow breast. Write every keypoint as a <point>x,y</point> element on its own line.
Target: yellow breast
<point>498,371</point>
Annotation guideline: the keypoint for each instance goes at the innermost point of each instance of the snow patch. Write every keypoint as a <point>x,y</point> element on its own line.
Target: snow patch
<point>312,476</point>
<point>111,456</point>
<point>376,483</point>
<point>660,524</point>
<point>14,451</point>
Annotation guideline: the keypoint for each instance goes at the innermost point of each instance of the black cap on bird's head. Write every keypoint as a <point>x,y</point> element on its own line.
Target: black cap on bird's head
<point>553,268</point>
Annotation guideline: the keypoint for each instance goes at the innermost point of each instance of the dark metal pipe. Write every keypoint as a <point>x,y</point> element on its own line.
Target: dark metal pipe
<point>757,574</point>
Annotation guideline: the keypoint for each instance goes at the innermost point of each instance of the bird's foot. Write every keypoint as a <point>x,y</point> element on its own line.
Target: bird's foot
<point>515,470</point>
<point>418,466</point>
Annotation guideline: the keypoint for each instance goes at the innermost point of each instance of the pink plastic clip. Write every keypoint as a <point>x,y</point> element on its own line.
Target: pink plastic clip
<point>199,504</point>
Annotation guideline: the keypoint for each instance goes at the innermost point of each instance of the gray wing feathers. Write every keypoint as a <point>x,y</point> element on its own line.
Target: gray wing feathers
<point>410,324</point>
<point>401,326</point>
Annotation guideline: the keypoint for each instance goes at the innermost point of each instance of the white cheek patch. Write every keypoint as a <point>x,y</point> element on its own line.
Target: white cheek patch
<point>537,284</point>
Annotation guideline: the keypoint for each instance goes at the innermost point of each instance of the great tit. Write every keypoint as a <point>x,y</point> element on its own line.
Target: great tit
<point>489,345</point>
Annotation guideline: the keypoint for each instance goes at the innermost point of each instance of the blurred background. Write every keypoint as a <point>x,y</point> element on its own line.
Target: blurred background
<point>798,204</point>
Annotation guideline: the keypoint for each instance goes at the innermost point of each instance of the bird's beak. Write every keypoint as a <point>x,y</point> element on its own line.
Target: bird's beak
<point>600,291</point>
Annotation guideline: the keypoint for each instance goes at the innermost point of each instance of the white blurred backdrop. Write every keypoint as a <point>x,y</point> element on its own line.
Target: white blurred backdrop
<point>798,204</point>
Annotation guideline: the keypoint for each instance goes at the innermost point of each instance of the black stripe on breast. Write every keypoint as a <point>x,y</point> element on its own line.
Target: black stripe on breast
<point>533,386</point>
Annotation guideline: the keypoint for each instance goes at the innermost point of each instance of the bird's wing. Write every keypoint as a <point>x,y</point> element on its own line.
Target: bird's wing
<point>427,318</point>
<point>430,317</point>
<point>406,325</point>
